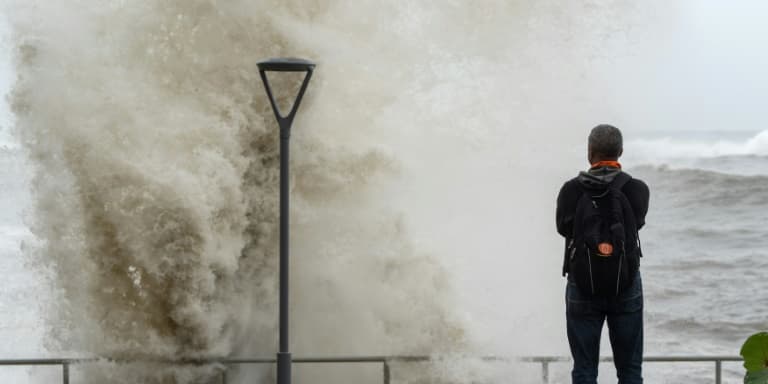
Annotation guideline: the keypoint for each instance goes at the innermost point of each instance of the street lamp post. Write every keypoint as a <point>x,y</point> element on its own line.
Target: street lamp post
<point>285,122</point>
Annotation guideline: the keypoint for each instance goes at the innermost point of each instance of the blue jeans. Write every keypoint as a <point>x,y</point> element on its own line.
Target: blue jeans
<point>585,316</point>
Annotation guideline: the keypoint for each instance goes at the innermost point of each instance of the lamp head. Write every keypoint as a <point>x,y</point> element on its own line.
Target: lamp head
<point>286,64</point>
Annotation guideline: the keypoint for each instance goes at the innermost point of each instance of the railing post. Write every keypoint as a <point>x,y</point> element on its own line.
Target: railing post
<point>386,372</point>
<point>545,371</point>
<point>65,372</point>
<point>718,372</point>
<point>224,376</point>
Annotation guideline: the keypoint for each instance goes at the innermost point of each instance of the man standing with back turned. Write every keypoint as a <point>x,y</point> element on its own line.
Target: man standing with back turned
<point>599,213</point>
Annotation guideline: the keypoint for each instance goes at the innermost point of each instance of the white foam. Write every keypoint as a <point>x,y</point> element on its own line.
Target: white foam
<point>660,149</point>
<point>747,156</point>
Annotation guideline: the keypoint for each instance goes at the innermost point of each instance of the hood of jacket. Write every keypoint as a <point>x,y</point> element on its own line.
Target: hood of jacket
<point>598,177</point>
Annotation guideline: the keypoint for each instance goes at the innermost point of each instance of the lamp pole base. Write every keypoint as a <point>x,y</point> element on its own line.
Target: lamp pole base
<point>283,368</point>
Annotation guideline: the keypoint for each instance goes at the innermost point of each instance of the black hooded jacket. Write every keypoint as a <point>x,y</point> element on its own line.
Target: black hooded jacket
<point>596,178</point>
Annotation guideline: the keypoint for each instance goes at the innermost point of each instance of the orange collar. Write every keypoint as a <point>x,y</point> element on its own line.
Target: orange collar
<point>607,163</point>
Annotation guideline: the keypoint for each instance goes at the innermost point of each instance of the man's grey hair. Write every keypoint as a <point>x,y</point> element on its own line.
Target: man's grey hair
<point>605,140</point>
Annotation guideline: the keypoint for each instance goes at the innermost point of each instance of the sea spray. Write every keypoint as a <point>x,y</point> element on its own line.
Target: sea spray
<point>425,140</point>
<point>156,191</point>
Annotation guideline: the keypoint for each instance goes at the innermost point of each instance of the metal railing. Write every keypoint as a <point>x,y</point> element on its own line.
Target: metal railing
<point>545,361</point>
<point>385,362</point>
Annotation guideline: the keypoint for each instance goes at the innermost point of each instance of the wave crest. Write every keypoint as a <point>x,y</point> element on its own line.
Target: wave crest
<point>156,192</point>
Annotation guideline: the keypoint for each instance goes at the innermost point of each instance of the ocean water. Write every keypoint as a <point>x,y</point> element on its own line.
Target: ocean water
<point>705,243</point>
<point>140,187</point>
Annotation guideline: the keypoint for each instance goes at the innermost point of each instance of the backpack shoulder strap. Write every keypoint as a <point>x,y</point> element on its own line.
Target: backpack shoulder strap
<point>618,183</point>
<point>620,180</point>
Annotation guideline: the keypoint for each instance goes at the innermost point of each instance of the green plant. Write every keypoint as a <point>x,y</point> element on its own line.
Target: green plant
<point>755,354</point>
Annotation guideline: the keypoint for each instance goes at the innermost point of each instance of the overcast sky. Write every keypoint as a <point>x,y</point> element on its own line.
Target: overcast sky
<point>704,68</point>
<point>693,65</point>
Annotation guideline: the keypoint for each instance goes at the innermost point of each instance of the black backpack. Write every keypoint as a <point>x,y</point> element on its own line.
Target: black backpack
<point>603,255</point>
